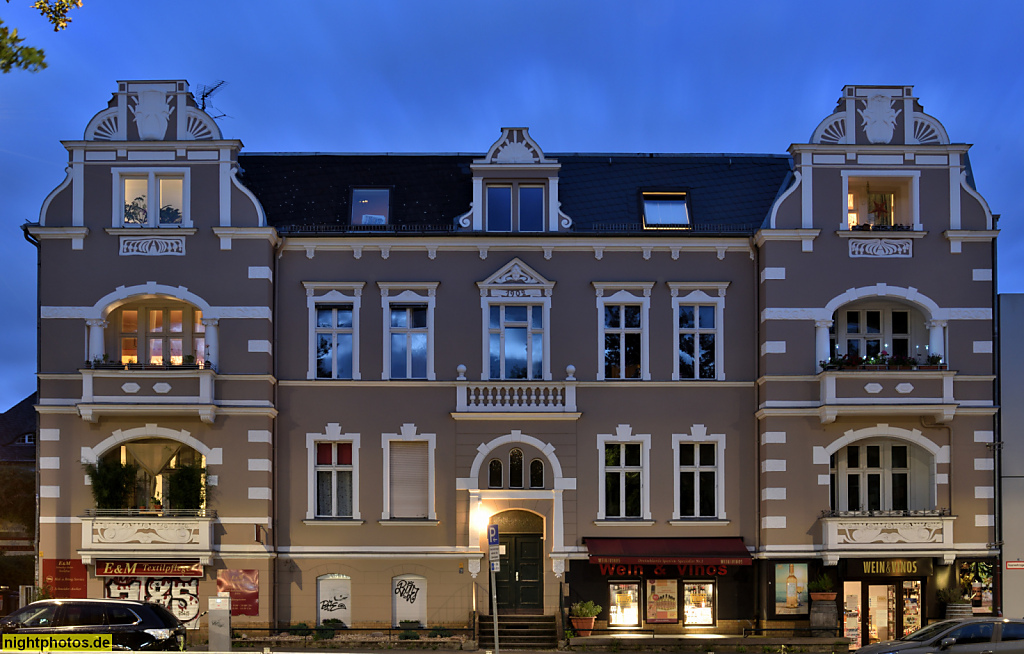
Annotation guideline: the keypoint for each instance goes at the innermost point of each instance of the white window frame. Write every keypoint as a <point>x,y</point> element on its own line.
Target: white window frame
<point>913,202</point>
<point>544,302</point>
<point>625,293</point>
<point>332,293</point>
<point>698,435</point>
<point>624,434</point>
<point>424,293</point>
<point>514,283</point>
<point>515,205</point>
<point>408,433</point>
<point>919,486</point>
<point>917,335</point>
<point>152,196</point>
<point>698,293</point>
<point>331,434</point>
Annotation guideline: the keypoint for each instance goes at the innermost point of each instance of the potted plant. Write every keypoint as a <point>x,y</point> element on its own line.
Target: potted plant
<point>821,588</point>
<point>582,616</point>
<point>957,604</point>
<point>186,488</point>
<point>112,483</point>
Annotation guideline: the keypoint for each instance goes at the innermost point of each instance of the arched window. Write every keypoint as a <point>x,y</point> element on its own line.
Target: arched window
<point>867,329</point>
<point>880,475</point>
<point>168,475</point>
<point>515,468</point>
<point>334,598</point>
<point>536,474</point>
<point>494,476</point>
<point>158,333</point>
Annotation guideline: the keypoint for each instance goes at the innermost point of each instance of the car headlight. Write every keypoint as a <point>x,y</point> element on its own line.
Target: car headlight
<point>159,634</point>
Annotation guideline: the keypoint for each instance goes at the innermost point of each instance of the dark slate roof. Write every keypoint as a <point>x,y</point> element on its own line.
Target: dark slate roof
<point>17,421</point>
<point>311,193</point>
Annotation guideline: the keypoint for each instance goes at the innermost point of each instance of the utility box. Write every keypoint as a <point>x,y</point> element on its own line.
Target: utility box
<point>220,624</point>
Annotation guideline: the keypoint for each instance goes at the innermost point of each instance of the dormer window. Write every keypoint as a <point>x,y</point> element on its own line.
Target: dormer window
<point>515,207</point>
<point>665,210</point>
<point>371,206</point>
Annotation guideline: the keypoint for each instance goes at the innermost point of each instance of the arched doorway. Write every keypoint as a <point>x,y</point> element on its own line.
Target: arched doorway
<point>520,583</point>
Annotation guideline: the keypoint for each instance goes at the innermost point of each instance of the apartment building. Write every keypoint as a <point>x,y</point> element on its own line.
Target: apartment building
<point>682,385</point>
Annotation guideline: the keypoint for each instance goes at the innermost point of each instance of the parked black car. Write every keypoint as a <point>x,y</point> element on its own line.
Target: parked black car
<point>132,625</point>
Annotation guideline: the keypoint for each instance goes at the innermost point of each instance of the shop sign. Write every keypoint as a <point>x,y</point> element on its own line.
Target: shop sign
<point>1015,565</point>
<point>65,577</point>
<point>632,570</point>
<point>889,567</point>
<point>243,586</point>
<point>149,569</point>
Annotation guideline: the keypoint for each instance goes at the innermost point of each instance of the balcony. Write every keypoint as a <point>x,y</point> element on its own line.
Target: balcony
<point>499,399</point>
<point>147,534</point>
<point>127,389</point>
<point>876,533</point>
<point>862,391</point>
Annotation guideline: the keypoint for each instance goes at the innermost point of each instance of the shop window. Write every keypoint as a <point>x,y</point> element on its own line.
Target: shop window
<point>699,603</point>
<point>624,604</point>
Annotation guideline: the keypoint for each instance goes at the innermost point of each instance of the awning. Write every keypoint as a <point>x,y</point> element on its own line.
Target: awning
<point>668,551</point>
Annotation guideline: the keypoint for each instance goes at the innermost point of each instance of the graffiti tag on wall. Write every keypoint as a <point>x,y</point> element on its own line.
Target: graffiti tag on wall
<point>407,590</point>
<point>179,595</point>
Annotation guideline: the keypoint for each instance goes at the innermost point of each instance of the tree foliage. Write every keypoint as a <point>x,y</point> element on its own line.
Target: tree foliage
<point>15,55</point>
<point>18,499</point>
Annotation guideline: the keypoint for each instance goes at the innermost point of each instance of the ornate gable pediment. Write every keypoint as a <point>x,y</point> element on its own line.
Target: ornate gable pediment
<point>515,147</point>
<point>516,279</point>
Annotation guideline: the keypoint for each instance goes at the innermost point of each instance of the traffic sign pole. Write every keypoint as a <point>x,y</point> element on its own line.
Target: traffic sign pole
<point>494,554</point>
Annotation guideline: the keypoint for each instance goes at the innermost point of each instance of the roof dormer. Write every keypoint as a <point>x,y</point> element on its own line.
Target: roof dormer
<point>515,188</point>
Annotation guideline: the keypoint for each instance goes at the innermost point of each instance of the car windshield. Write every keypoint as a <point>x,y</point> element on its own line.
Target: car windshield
<point>929,632</point>
<point>33,615</point>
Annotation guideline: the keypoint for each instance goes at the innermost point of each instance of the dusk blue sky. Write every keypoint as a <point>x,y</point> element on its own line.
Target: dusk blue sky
<point>588,76</point>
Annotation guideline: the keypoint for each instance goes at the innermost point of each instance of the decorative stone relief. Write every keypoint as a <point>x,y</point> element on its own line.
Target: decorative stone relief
<point>558,567</point>
<point>873,388</point>
<point>515,275</point>
<point>886,248</point>
<point>890,532</point>
<point>161,388</point>
<point>474,567</point>
<point>130,387</point>
<point>904,388</point>
<point>152,109</point>
<point>879,118</point>
<point>172,533</point>
<point>152,246</point>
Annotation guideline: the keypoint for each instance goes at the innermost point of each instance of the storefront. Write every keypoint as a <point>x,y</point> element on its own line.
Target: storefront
<point>693,583</point>
<point>884,599</point>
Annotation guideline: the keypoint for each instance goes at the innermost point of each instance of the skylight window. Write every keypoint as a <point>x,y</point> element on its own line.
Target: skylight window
<point>370,206</point>
<point>665,210</point>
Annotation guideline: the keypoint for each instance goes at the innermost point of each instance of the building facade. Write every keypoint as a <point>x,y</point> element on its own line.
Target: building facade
<point>680,385</point>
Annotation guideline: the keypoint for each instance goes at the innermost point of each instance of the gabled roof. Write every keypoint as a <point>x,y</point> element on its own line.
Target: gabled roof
<point>311,193</point>
<point>17,421</point>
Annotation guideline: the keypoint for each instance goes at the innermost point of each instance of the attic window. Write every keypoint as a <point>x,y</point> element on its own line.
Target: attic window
<point>665,210</point>
<point>370,206</point>
<point>26,439</point>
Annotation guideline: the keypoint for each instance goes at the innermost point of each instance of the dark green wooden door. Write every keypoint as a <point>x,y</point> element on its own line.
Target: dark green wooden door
<point>520,583</point>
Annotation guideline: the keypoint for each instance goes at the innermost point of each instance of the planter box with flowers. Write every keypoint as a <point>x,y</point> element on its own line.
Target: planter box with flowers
<point>582,615</point>
<point>882,362</point>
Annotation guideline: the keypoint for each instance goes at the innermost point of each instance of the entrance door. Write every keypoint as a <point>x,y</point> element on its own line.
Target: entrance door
<point>876,612</point>
<point>520,583</point>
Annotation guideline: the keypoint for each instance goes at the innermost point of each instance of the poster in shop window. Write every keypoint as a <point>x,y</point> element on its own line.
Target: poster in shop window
<point>662,600</point>
<point>791,589</point>
<point>243,586</point>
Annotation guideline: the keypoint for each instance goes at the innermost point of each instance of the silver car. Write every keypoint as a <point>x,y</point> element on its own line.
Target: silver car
<point>969,636</point>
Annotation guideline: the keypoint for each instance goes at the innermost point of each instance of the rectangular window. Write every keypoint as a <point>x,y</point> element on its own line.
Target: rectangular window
<point>516,341</point>
<point>333,480</point>
<point>371,206</point>
<point>881,201</point>
<point>169,336</point>
<point>622,476</point>
<point>409,477</point>
<point>698,603</point>
<point>698,490</point>
<point>624,604</point>
<point>514,207</point>
<point>151,198</point>
<point>334,341</point>
<point>665,210</point>
<point>697,333</point>
<point>622,341</point>
<point>877,477</point>
<point>409,342</point>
